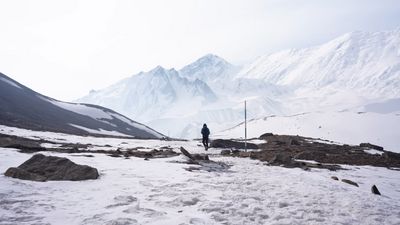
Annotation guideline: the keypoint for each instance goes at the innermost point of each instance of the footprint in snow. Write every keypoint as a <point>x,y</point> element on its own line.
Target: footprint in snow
<point>122,200</point>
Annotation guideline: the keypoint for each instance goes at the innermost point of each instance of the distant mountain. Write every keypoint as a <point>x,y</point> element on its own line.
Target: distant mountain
<point>210,69</point>
<point>363,63</point>
<point>154,94</point>
<point>354,72</point>
<point>25,108</point>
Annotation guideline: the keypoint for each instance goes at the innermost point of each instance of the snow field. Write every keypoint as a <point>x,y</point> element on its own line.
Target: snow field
<point>158,191</point>
<point>161,191</point>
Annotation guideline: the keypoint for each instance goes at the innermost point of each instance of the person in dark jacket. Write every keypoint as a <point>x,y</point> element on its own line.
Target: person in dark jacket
<point>205,132</point>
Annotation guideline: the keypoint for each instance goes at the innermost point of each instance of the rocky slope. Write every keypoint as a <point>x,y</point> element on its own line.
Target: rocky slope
<point>25,108</point>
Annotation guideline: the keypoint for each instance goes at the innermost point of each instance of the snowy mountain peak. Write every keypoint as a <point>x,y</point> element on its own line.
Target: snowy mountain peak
<point>208,68</point>
<point>211,59</point>
<point>365,63</point>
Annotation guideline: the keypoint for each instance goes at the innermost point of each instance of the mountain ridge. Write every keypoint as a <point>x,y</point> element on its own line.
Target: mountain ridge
<point>346,73</point>
<point>22,107</point>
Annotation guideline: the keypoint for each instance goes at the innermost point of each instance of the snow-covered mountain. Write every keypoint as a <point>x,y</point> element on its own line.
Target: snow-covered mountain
<point>352,69</point>
<point>210,69</point>
<point>174,102</point>
<point>25,108</point>
<point>357,71</point>
<point>154,94</point>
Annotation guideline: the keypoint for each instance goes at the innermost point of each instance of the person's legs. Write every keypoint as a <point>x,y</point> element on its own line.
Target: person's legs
<point>205,142</point>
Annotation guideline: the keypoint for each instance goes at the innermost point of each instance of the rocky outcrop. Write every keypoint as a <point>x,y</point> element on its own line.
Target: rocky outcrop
<point>296,151</point>
<point>222,143</point>
<point>369,145</point>
<point>42,168</point>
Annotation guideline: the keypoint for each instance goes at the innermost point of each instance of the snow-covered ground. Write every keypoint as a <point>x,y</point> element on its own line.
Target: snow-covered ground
<point>161,191</point>
<point>135,191</point>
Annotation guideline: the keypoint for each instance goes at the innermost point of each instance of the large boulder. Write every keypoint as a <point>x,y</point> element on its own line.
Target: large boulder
<point>42,168</point>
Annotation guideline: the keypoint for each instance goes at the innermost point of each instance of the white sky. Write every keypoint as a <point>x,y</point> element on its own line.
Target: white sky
<point>65,48</point>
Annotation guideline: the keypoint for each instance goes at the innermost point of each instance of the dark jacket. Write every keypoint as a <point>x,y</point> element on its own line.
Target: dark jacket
<point>205,131</point>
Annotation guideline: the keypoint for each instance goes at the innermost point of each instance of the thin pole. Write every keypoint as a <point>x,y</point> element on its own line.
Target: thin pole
<point>245,126</point>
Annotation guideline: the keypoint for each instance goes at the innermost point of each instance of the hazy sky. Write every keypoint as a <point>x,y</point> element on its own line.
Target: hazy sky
<point>65,48</point>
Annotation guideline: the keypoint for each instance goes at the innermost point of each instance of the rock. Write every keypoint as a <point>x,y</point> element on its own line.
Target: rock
<point>194,157</point>
<point>350,182</point>
<point>375,190</point>
<point>369,145</point>
<point>263,136</point>
<point>225,152</point>
<point>294,142</point>
<point>200,157</point>
<point>334,177</point>
<point>244,154</point>
<point>16,172</point>
<point>281,159</point>
<point>186,153</point>
<point>221,143</point>
<point>235,152</point>
<point>42,168</point>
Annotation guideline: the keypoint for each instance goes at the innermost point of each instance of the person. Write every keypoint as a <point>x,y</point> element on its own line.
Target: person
<point>205,132</point>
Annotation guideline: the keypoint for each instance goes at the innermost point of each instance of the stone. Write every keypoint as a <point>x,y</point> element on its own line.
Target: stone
<point>194,157</point>
<point>334,177</point>
<point>225,152</point>
<point>263,136</point>
<point>375,190</point>
<point>281,159</point>
<point>350,182</point>
<point>42,168</point>
<point>244,154</point>
<point>369,145</point>
<point>222,143</point>
<point>294,142</point>
<point>16,172</point>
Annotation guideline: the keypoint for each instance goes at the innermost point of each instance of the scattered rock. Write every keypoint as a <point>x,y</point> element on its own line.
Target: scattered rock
<point>42,168</point>
<point>225,152</point>
<point>222,143</point>
<point>334,177</point>
<point>24,144</point>
<point>375,190</point>
<point>244,154</point>
<point>281,159</point>
<point>85,155</point>
<point>369,145</point>
<point>151,154</point>
<point>204,162</point>
<point>263,136</point>
<point>194,157</point>
<point>350,182</point>
<point>294,142</point>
